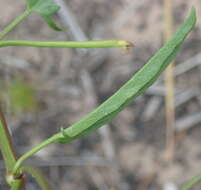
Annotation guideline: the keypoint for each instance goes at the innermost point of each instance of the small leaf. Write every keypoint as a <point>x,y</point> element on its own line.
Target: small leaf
<point>52,24</point>
<point>45,8</point>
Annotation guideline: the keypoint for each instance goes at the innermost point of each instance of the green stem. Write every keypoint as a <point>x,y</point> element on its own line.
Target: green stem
<point>68,44</point>
<point>17,185</point>
<point>38,176</point>
<point>31,153</point>
<point>191,182</point>
<point>8,154</point>
<point>6,145</point>
<point>13,24</point>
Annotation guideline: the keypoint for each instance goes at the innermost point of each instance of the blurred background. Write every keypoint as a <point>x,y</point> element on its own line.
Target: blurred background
<point>43,89</point>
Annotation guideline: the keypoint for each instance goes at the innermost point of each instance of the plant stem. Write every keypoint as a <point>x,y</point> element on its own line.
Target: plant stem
<point>68,44</point>
<point>32,152</point>
<point>8,154</point>
<point>6,145</point>
<point>17,185</point>
<point>169,86</point>
<point>13,24</point>
<point>41,180</point>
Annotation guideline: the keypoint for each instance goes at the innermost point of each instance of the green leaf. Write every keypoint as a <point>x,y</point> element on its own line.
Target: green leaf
<point>189,184</point>
<point>45,8</point>
<point>136,86</point>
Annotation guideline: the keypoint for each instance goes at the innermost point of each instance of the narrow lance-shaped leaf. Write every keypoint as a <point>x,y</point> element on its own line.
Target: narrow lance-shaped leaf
<point>124,96</point>
<point>189,184</point>
<point>133,88</point>
<point>45,8</point>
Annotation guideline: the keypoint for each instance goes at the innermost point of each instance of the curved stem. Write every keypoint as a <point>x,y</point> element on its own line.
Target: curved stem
<point>13,24</point>
<point>32,152</point>
<point>68,44</point>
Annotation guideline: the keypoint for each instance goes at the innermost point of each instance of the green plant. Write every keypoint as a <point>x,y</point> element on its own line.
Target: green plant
<point>101,115</point>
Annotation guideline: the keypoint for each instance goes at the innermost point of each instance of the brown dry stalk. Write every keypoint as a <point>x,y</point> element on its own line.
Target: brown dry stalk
<point>169,86</point>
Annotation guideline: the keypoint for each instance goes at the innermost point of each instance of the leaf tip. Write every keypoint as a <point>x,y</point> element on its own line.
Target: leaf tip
<point>193,14</point>
<point>124,43</point>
